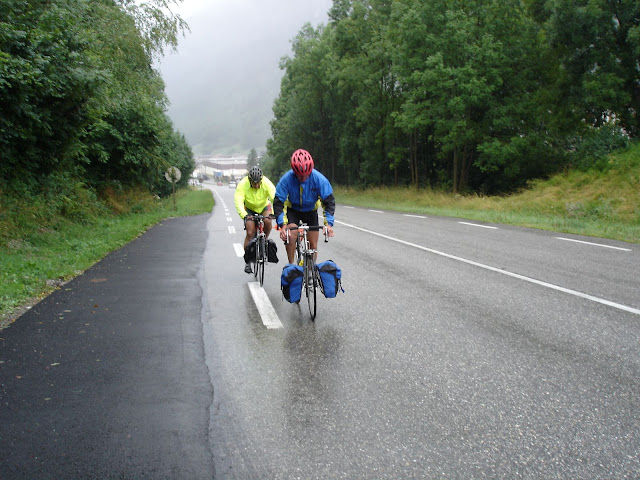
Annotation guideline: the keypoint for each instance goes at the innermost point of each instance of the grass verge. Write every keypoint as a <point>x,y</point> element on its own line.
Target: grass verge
<point>40,254</point>
<point>602,202</point>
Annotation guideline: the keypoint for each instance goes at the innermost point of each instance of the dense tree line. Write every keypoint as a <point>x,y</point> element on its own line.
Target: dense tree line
<point>478,95</point>
<point>79,99</point>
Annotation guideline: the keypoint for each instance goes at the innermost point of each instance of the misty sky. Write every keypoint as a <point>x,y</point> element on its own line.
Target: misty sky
<point>224,78</point>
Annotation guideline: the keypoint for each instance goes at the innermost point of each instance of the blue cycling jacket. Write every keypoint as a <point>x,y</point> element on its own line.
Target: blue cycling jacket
<point>303,197</point>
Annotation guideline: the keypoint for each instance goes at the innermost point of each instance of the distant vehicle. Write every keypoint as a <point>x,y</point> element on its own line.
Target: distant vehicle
<point>232,184</point>
<point>219,183</point>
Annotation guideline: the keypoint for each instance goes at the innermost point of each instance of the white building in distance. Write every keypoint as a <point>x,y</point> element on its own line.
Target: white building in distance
<point>218,167</point>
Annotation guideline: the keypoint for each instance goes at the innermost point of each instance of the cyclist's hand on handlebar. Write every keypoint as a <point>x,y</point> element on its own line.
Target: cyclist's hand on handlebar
<point>284,233</point>
<point>330,231</point>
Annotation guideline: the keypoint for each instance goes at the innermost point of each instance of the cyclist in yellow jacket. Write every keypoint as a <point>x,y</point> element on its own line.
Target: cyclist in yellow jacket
<point>254,194</point>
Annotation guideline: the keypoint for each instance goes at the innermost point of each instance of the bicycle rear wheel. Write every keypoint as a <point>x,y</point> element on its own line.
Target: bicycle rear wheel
<point>310,284</point>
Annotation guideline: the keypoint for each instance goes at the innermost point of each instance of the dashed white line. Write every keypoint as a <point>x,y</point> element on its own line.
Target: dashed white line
<point>239,249</point>
<point>267,313</point>
<point>477,225</point>
<point>594,244</point>
<point>503,272</point>
<point>232,229</point>
<point>413,216</point>
<point>376,211</point>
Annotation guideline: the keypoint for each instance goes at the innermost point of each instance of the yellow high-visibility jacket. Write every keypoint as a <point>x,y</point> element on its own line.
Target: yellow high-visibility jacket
<point>255,199</point>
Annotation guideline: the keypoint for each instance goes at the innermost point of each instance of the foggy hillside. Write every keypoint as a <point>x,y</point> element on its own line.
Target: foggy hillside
<point>225,76</point>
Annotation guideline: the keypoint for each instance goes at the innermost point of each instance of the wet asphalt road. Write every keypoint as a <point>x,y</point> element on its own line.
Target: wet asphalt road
<point>105,378</point>
<point>156,363</point>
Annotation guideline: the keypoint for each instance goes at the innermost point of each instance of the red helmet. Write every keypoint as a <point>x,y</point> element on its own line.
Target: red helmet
<point>301,163</point>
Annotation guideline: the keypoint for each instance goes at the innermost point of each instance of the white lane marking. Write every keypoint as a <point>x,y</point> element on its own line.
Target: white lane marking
<point>232,229</point>
<point>229,219</point>
<point>414,216</point>
<point>376,211</point>
<point>595,244</point>
<point>476,225</point>
<point>619,306</point>
<point>346,206</point>
<point>220,197</point>
<point>267,313</point>
<point>239,249</point>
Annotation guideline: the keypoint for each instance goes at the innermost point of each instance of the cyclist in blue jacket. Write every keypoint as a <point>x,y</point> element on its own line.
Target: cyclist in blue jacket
<point>300,190</point>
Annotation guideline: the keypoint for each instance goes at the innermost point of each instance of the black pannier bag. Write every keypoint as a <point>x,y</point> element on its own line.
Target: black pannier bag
<point>272,251</point>
<point>250,251</point>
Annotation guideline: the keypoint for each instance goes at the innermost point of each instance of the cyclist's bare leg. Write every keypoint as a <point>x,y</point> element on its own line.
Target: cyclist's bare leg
<point>291,246</point>
<point>267,221</point>
<point>312,236</point>
<point>251,231</point>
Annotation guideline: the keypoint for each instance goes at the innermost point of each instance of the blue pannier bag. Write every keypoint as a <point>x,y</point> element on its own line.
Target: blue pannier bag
<point>291,282</point>
<point>330,278</point>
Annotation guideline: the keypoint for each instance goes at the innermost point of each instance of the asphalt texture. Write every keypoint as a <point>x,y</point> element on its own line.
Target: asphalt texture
<point>157,364</point>
<point>106,377</point>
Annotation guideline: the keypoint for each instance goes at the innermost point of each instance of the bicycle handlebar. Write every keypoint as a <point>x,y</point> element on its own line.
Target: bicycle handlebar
<point>307,227</point>
<point>260,216</point>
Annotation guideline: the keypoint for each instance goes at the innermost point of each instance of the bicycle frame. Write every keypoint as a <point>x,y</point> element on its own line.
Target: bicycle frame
<point>261,248</point>
<point>304,253</point>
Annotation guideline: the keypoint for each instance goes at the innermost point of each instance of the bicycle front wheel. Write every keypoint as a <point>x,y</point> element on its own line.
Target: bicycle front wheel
<point>297,254</point>
<point>262,259</point>
<point>255,261</point>
<point>311,284</point>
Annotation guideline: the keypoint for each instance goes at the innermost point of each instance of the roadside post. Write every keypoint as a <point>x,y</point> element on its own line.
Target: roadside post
<point>173,175</point>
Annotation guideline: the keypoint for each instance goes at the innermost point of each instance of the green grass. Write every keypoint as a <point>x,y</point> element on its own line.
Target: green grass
<point>603,202</point>
<point>38,254</point>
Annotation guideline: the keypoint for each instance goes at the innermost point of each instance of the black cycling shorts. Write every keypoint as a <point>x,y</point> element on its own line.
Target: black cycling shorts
<point>310,218</point>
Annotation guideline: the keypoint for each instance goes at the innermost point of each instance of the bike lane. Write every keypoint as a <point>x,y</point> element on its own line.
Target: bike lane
<point>106,377</point>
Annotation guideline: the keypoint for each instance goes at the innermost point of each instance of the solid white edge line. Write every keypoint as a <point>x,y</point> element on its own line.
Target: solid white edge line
<point>267,313</point>
<point>239,249</point>
<point>503,272</point>
<point>594,244</point>
<point>476,225</point>
<point>220,197</point>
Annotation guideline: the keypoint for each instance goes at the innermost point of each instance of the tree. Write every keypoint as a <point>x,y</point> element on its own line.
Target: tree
<point>366,91</point>
<point>252,159</point>
<point>469,95</point>
<point>157,25</point>
<point>597,44</point>
<point>468,74</point>
<point>78,94</point>
<point>47,80</point>
<point>301,112</point>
